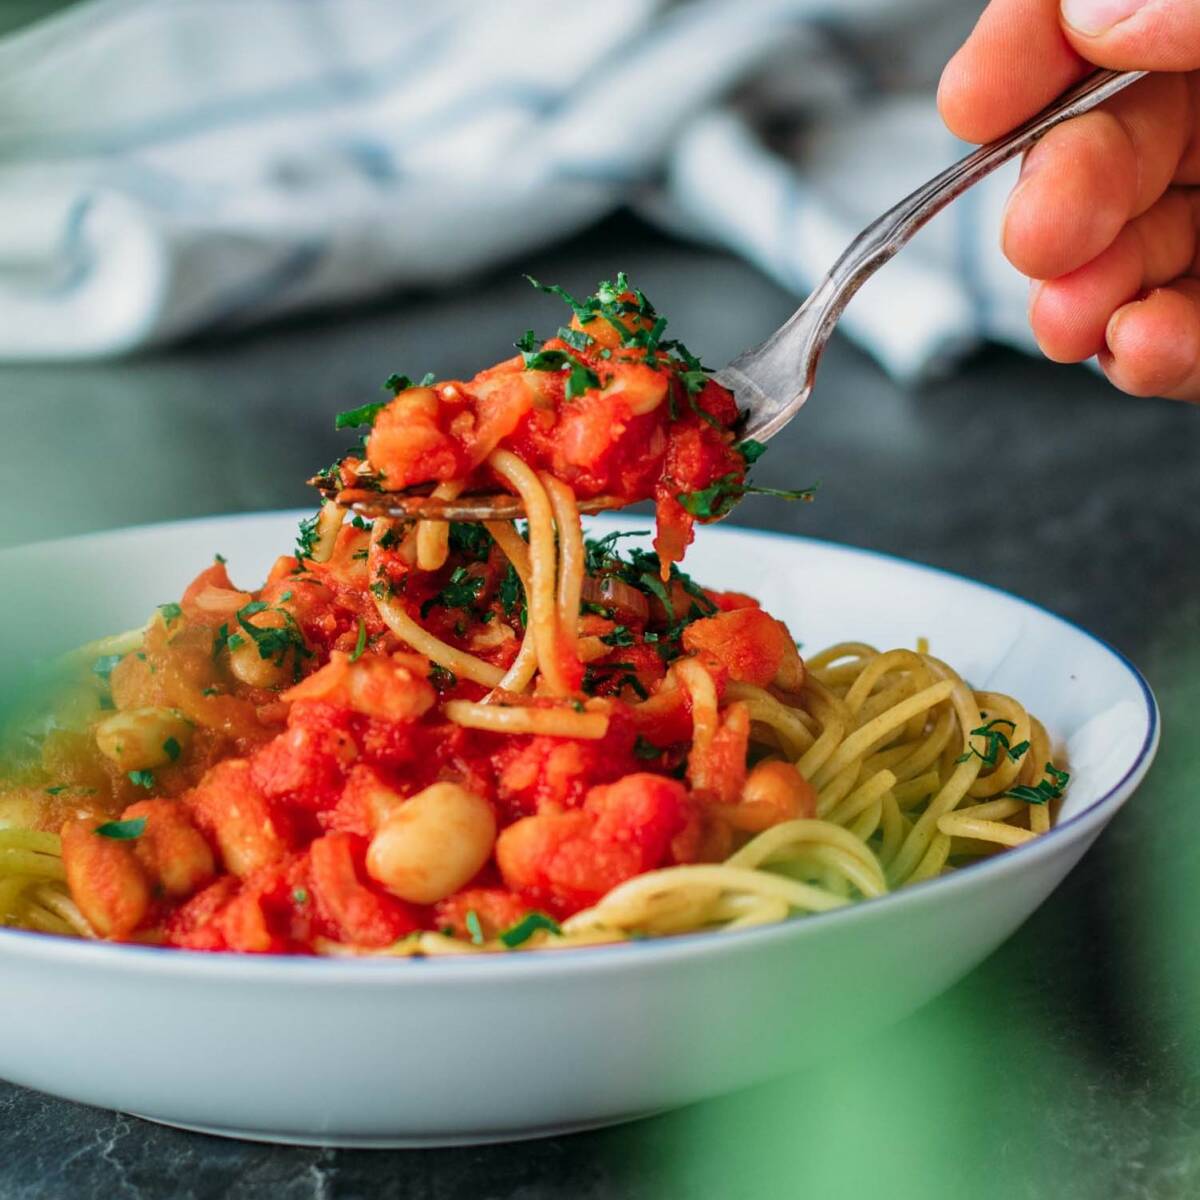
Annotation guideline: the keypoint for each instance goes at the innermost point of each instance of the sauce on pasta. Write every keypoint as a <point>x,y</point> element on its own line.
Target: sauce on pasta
<point>428,737</point>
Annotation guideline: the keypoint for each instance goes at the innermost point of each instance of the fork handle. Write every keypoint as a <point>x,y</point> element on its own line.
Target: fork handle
<point>794,349</point>
<point>885,236</point>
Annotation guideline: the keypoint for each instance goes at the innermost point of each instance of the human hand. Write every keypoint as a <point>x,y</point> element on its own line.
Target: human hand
<point>1104,219</point>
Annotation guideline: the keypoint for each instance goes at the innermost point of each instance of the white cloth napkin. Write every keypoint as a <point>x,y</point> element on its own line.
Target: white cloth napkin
<point>172,167</point>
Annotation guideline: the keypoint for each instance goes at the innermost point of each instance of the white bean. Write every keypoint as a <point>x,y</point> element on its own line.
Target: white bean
<point>432,844</point>
<point>140,739</point>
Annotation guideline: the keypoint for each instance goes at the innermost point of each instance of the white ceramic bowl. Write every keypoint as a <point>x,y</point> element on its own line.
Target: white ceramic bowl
<point>470,1050</point>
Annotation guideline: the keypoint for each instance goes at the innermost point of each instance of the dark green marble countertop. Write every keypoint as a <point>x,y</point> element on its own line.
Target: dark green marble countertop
<point>1065,1066</point>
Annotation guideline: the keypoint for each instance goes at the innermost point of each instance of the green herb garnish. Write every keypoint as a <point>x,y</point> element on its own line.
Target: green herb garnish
<point>306,537</point>
<point>142,779</point>
<point>170,613</point>
<point>526,927</point>
<point>474,928</point>
<point>580,377</point>
<point>122,831</point>
<point>750,450</point>
<point>719,498</point>
<point>620,636</point>
<point>995,740</point>
<point>172,749</point>
<point>471,540</point>
<point>441,677</point>
<point>360,643</point>
<point>645,749</point>
<point>623,674</point>
<point>104,666</point>
<point>1050,788</point>
<point>461,591</point>
<point>364,414</point>
<point>274,642</point>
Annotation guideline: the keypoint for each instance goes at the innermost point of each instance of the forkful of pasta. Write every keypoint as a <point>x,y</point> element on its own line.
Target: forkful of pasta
<point>617,410</point>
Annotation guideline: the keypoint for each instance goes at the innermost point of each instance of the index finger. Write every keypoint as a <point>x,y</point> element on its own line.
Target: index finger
<point>1015,62</point>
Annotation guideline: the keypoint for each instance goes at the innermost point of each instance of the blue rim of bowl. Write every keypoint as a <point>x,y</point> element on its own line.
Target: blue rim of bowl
<point>391,972</point>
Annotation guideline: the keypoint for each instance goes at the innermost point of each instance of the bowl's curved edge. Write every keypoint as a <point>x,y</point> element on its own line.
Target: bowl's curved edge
<point>413,971</point>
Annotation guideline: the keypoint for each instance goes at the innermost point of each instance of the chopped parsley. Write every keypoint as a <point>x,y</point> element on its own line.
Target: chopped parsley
<point>600,552</point>
<point>640,569</point>
<point>360,643</point>
<point>142,779</point>
<point>461,591</point>
<point>645,749</point>
<point>172,749</point>
<point>391,537</point>
<point>995,740</point>
<point>104,666</point>
<point>1050,788</point>
<point>471,540</point>
<point>401,383</point>
<point>274,642</point>
<point>719,498</point>
<point>575,338</point>
<point>170,613</point>
<point>441,677</point>
<point>364,414</point>
<point>622,674</point>
<point>474,928</point>
<point>614,302</point>
<point>750,450</point>
<point>526,927</point>
<point>580,377</point>
<point>122,831</point>
<point>620,636</point>
<point>306,536</point>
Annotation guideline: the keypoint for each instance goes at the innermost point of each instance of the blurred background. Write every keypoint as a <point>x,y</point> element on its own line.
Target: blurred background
<point>221,221</point>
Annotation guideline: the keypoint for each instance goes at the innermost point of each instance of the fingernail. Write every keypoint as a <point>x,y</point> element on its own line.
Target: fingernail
<point>1094,17</point>
<point>1035,294</point>
<point>1030,166</point>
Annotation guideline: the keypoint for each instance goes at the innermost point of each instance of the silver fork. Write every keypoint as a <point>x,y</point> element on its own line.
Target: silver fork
<point>773,380</point>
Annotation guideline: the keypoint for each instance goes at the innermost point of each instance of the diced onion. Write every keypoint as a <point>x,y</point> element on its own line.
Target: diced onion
<point>624,601</point>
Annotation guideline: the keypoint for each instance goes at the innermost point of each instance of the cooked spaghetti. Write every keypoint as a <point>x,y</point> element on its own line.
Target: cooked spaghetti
<point>429,737</point>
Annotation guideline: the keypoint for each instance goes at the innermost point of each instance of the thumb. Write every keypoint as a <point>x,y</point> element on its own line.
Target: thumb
<point>1148,35</point>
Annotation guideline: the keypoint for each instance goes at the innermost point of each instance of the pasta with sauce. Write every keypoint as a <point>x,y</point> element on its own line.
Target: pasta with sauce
<point>429,737</point>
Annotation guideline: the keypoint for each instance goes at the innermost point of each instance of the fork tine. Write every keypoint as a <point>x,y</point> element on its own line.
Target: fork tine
<point>406,506</point>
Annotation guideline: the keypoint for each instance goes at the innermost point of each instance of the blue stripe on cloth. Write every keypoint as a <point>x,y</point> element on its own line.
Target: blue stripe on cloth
<point>608,173</point>
<point>373,159</point>
<point>77,258</point>
<point>238,304</point>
